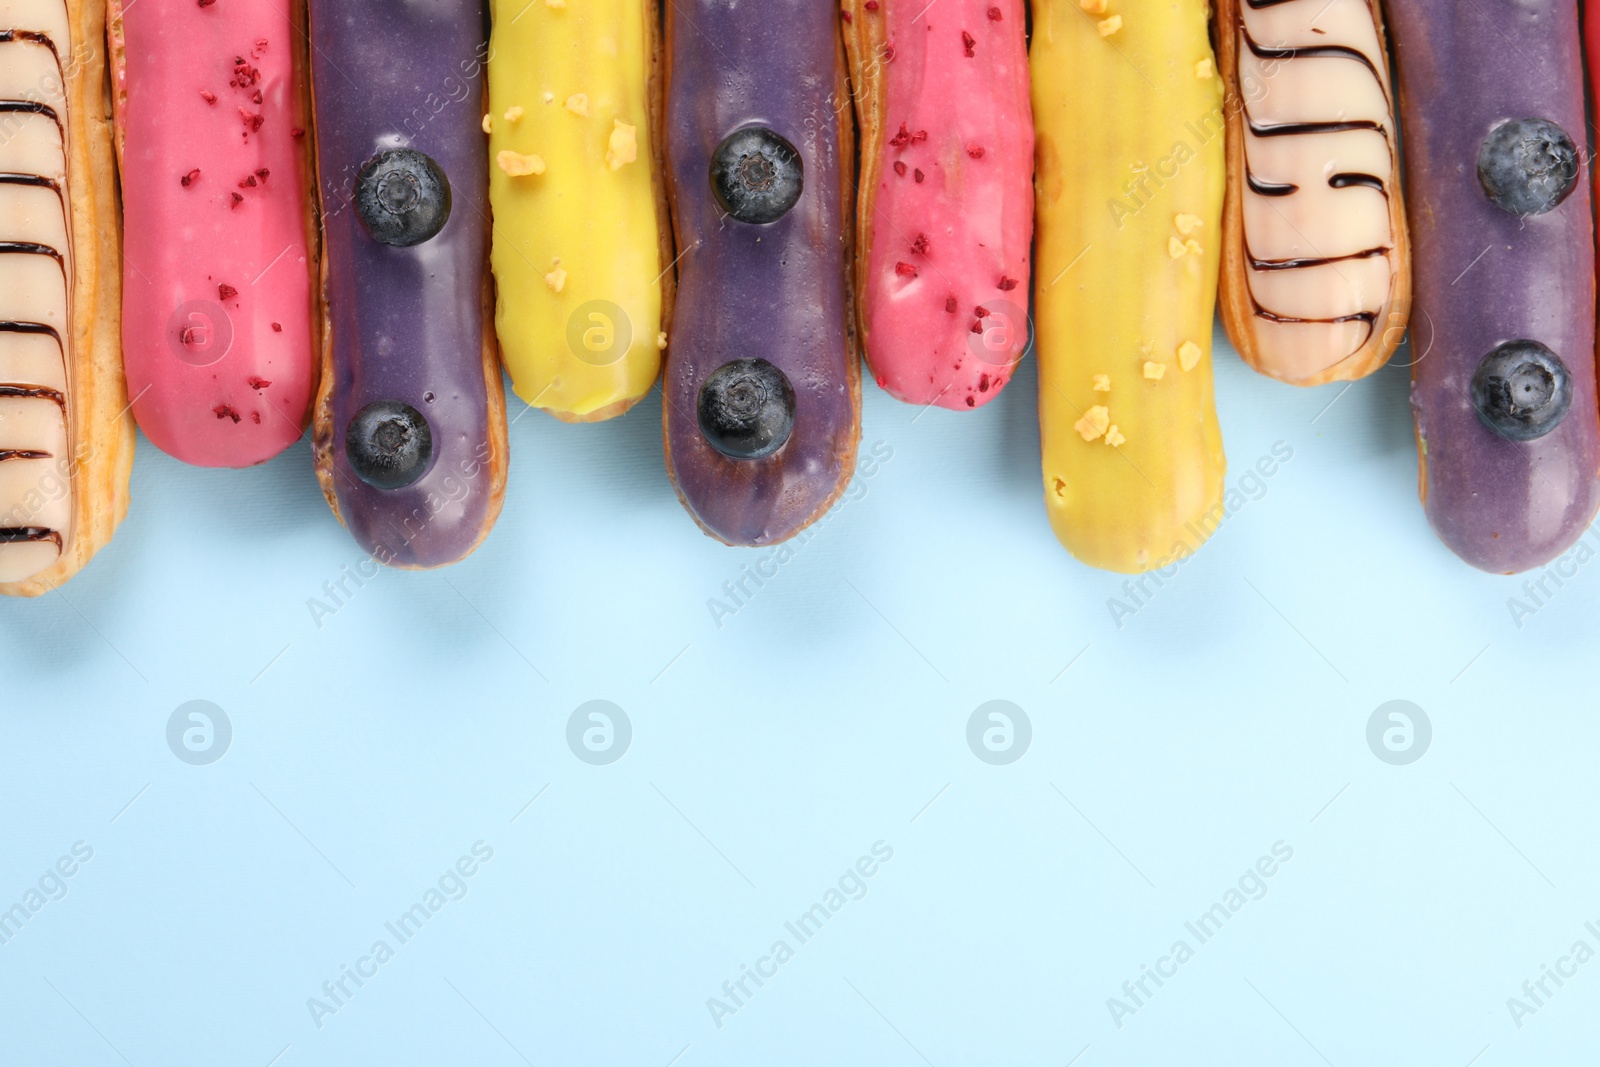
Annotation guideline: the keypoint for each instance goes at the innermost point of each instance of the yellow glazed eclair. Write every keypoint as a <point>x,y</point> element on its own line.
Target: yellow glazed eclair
<point>1130,132</point>
<point>66,436</point>
<point>581,246</point>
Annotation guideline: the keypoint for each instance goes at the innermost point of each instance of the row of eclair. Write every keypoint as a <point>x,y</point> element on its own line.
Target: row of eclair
<point>350,216</point>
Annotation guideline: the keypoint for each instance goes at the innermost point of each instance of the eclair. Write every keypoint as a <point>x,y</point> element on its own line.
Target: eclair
<point>410,429</point>
<point>1503,378</point>
<point>945,215</point>
<point>762,388</point>
<point>1316,271</point>
<point>217,225</point>
<point>66,438</point>
<point>1127,108</point>
<point>582,245</point>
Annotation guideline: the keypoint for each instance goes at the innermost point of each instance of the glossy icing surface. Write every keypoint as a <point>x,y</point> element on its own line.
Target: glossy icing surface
<point>407,323</point>
<point>1485,276</point>
<point>1130,131</point>
<point>576,248</point>
<point>1318,176</point>
<point>774,291</point>
<point>216,328</point>
<point>36,273</point>
<point>953,201</point>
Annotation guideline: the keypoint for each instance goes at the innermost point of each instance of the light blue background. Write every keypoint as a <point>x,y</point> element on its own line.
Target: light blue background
<point>430,712</point>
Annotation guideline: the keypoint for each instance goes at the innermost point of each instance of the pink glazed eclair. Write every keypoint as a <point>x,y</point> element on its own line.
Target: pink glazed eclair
<point>946,207</point>
<point>217,289</point>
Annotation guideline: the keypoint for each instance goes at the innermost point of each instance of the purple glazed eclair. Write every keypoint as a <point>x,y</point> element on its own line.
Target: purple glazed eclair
<point>1503,386</point>
<point>763,387</point>
<point>410,431</point>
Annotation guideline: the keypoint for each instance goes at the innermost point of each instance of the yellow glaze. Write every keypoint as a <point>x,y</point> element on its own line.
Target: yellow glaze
<point>1129,184</point>
<point>576,251</point>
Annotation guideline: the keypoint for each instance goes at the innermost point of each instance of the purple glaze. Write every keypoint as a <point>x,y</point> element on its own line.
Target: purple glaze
<point>407,323</point>
<point>1501,505</point>
<point>776,291</point>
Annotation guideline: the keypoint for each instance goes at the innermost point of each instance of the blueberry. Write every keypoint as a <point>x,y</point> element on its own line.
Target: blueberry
<point>1522,390</point>
<point>747,409</point>
<point>403,197</point>
<point>388,444</point>
<point>1528,166</point>
<point>756,175</point>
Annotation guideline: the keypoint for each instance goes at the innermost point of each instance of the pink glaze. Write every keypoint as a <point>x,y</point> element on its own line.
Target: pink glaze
<point>216,326</point>
<point>958,240</point>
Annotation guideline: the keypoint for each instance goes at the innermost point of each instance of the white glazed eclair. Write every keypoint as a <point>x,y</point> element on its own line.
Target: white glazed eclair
<point>1316,274</point>
<point>66,438</point>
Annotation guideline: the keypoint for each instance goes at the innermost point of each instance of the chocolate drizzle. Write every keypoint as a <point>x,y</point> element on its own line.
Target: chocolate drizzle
<point>20,535</point>
<point>25,535</point>
<point>1343,180</point>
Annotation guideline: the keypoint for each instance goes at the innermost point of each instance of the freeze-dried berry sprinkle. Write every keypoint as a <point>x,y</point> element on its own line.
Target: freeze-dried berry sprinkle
<point>950,305</point>
<point>975,152</point>
<point>872,5</point>
<point>888,52</point>
<point>903,138</point>
<point>207,3</point>
<point>918,175</point>
<point>226,292</point>
<point>994,14</point>
<point>255,97</point>
<point>971,403</point>
<point>258,383</point>
<point>900,168</point>
<point>208,96</point>
<point>277,327</point>
<point>968,43</point>
<point>845,15</point>
<point>296,131</point>
<point>190,178</point>
<point>255,417</point>
<point>983,383</point>
<point>905,270</point>
<point>920,135</point>
<point>223,411</point>
<point>237,199</point>
<point>981,311</point>
<point>1007,284</point>
<point>247,182</point>
<point>920,245</point>
<point>977,326</point>
<point>262,173</point>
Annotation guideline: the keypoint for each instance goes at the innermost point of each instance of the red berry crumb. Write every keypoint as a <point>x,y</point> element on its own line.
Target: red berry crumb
<point>223,411</point>
<point>237,199</point>
<point>977,325</point>
<point>888,52</point>
<point>845,15</point>
<point>920,135</point>
<point>1007,284</point>
<point>207,3</point>
<point>918,175</point>
<point>920,245</point>
<point>296,131</point>
<point>968,42</point>
<point>901,139</point>
<point>208,96</point>
<point>255,417</point>
<point>262,173</point>
<point>872,5</point>
<point>258,383</point>
<point>950,305</point>
<point>905,270</point>
<point>277,327</point>
<point>975,152</point>
<point>983,383</point>
<point>971,403</point>
<point>994,14</point>
<point>900,168</point>
<point>981,311</point>
<point>190,178</point>
<point>226,291</point>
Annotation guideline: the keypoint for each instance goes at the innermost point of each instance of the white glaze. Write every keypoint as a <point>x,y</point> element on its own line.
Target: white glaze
<point>35,288</point>
<point>1317,221</point>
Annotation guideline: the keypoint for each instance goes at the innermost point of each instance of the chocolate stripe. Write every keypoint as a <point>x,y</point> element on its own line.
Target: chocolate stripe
<point>1313,261</point>
<point>39,180</point>
<point>14,326</point>
<point>1323,51</point>
<point>32,392</point>
<point>22,453</point>
<point>24,535</point>
<point>29,248</point>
